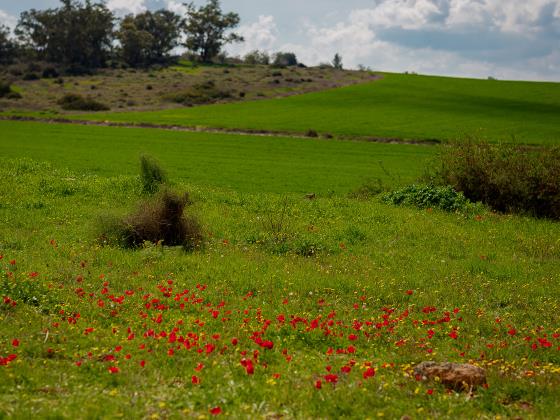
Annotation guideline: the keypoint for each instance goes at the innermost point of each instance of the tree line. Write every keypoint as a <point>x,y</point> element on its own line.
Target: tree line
<point>82,36</point>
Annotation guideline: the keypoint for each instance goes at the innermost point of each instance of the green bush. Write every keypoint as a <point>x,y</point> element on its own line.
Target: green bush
<point>508,178</point>
<point>151,174</point>
<point>429,196</point>
<point>74,102</point>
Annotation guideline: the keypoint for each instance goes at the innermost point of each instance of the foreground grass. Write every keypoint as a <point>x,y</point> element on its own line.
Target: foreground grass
<point>105,332</point>
<point>244,163</point>
<point>398,106</point>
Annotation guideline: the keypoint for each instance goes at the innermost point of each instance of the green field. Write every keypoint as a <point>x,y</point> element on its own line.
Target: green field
<point>291,307</point>
<point>243,163</point>
<point>399,106</point>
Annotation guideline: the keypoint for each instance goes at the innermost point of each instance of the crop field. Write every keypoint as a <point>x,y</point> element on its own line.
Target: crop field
<point>397,106</point>
<point>294,305</point>
<point>281,165</point>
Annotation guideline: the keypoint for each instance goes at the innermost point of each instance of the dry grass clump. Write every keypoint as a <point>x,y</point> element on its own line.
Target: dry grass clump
<point>160,219</point>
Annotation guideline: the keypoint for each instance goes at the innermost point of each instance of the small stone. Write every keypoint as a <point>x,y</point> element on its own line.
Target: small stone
<point>457,376</point>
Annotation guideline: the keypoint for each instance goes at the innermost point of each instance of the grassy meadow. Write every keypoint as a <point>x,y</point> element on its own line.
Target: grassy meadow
<point>396,106</point>
<point>291,307</point>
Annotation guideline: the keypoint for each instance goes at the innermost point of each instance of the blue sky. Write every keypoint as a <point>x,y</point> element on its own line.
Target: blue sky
<point>508,39</point>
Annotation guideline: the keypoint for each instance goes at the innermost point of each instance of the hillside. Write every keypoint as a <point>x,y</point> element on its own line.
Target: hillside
<point>397,106</point>
<point>178,86</point>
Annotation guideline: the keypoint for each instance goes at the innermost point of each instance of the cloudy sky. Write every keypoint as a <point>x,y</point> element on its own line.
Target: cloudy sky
<point>508,39</point>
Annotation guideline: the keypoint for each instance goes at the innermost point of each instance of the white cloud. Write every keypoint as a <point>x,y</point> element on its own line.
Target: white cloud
<point>7,19</point>
<point>409,14</point>
<point>123,7</point>
<point>260,35</point>
<point>455,37</point>
<point>177,7</point>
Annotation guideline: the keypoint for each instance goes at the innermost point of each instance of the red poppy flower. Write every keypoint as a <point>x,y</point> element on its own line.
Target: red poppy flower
<point>369,373</point>
<point>215,411</point>
<point>332,378</point>
<point>15,342</point>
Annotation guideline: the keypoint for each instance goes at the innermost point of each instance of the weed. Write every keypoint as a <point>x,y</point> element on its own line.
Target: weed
<point>152,174</point>
<point>369,189</point>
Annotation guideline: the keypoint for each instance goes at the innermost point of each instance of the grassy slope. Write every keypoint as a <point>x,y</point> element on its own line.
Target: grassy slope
<point>244,163</point>
<point>403,106</point>
<point>496,267</point>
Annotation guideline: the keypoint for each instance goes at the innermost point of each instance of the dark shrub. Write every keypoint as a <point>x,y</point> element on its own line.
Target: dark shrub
<point>431,196</point>
<point>202,93</point>
<point>50,72</point>
<point>159,219</point>
<point>74,102</point>
<point>151,174</point>
<point>5,89</point>
<point>31,76</point>
<point>7,92</point>
<point>508,178</point>
<point>13,95</point>
<point>311,133</point>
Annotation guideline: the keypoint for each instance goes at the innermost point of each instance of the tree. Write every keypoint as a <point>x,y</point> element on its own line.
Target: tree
<point>285,59</point>
<point>257,57</point>
<point>75,34</point>
<point>135,43</point>
<point>148,38</point>
<point>206,29</point>
<point>7,46</point>
<point>337,62</point>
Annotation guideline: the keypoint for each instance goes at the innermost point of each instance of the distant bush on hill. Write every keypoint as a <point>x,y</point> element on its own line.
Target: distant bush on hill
<point>201,93</point>
<point>74,102</point>
<point>257,57</point>
<point>7,92</point>
<point>285,59</point>
<point>508,178</point>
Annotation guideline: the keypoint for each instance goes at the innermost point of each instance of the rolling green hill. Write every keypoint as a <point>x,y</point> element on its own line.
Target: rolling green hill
<point>400,106</point>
